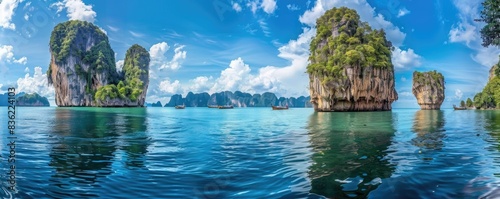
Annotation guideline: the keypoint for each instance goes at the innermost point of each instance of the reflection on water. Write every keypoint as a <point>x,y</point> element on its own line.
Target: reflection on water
<point>85,143</point>
<point>349,152</point>
<point>429,126</point>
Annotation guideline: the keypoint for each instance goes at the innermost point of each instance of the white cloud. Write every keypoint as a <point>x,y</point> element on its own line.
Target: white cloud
<point>403,79</point>
<point>158,50</point>
<point>119,65</point>
<point>22,61</point>
<point>467,31</point>
<point>7,8</point>
<point>233,78</point>
<point>112,28</point>
<point>405,58</point>
<point>464,32</point>
<point>264,27</point>
<point>405,94</point>
<point>458,94</point>
<point>269,6</point>
<point>27,70</point>
<point>292,7</point>
<point>236,7</point>
<point>366,12</point>
<point>179,57</point>
<point>201,84</point>
<point>253,6</point>
<point>159,59</point>
<point>136,34</point>
<point>76,10</point>
<point>26,17</point>
<point>170,88</point>
<point>27,5</point>
<point>403,12</point>
<point>37,83</point>
<point>289,80</point>
<point>7,55</point>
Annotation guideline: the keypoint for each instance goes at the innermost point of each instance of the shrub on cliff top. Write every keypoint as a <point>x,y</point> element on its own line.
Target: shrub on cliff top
<point>342,40</point>
<point>135,68</point>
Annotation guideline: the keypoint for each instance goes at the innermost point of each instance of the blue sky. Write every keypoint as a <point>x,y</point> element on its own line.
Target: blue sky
<point>248,45</point>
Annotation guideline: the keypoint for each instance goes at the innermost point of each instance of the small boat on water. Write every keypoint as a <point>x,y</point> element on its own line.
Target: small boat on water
<point>180,107</point>
<point>280,107</point>
<point>459,108</point>
<point>213,106</point>
<point>226,107</point>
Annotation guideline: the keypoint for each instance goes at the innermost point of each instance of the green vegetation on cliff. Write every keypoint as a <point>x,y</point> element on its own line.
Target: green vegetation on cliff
<point>71,39</point>
<point>490,33</point>
<point>490,96</point>
<point>68,38</point>
<point>136,67</point>
<point>343,40</point>
<point>436,76</point>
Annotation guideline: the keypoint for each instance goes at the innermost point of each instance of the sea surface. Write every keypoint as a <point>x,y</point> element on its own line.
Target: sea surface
<point>251,153</point>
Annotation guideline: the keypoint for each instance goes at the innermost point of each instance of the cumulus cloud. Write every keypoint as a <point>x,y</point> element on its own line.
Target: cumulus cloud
<point>27,70</point>
<point>7,56</point>
<point>36,83</point>
<point>403,12</point>
<point>405,58</point>
<point>119,65</point>
<point>236,7</point>
<point>7,8</point>
<point>232,78</point>
<point>170,88</point>
<point>467,31</point>
<point>76,10</point>
<point>26,17</point>
<point>160,60</point>
<point>269,6</point>
<point>201,84</point>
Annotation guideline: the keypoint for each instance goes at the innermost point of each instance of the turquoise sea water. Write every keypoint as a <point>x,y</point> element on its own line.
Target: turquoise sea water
<point>252,153</point>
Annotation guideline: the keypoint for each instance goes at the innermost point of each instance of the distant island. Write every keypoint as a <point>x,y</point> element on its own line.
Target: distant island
<point>350,65</point>
<point>83,69</point>
<point>237,99</point>
<point>23,99</point>
<point>157,104</point>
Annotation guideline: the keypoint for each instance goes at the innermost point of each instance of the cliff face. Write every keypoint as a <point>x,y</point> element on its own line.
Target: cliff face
<point>492,72</point>
<point>83,71</point>
<point>237,99</point>
<point>350,65</point>
<point>428,88</point>
<point>488,98</point>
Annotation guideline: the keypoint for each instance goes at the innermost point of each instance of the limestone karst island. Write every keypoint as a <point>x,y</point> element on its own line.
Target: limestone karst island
<point>350,65</point>
<point>428,88</point>
<point>83,69</point>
